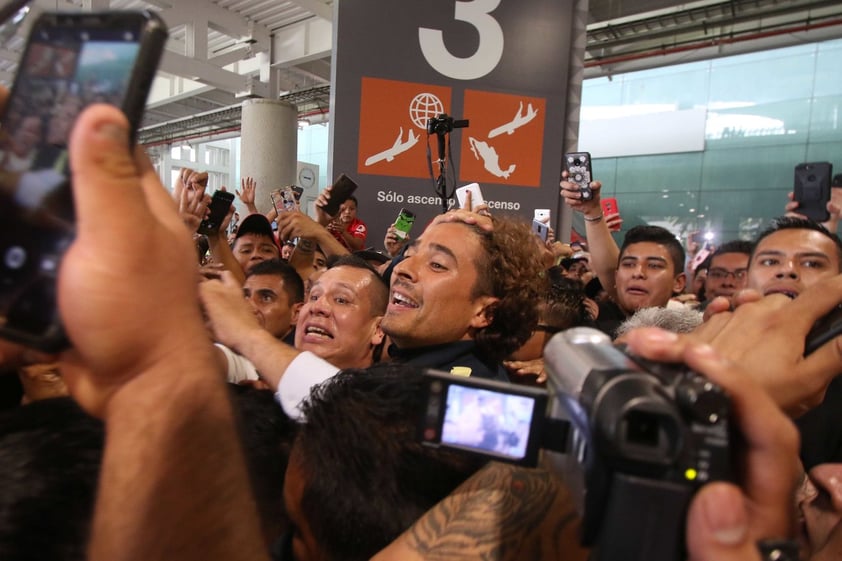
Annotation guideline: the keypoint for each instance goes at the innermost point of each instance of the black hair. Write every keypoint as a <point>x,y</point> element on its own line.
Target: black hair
<point>369,479</point>
<point>50,455</point>
<point>293,285</point>
<point>798,223</point>
<point>658,235</point>
<point>380,294</point>
<point>734,246</point>
<point>267,434</point>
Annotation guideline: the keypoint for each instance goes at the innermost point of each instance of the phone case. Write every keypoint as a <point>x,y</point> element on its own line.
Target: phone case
<point>812,189</point>
<point>540,229</point>
<point>476,195</point>
<point>578,165</point>
<point>343,188</point>
<point>218,208</point>
<point>403,223</point>
<point>609,206</point>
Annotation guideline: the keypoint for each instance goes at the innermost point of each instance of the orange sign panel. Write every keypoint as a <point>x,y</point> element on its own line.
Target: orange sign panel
<point>505,140</point>
<point>393,126</point>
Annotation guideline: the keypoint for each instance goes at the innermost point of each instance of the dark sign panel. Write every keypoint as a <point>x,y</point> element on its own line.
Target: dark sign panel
<point>499,64</point>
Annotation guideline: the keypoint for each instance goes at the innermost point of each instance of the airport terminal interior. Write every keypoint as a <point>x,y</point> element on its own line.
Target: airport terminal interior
<point>763,73</point>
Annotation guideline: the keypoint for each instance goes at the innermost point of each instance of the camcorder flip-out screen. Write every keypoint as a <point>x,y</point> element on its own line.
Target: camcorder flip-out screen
<point>490,418</point>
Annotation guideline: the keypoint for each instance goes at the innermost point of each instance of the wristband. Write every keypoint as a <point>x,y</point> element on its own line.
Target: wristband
<point>778,550</point>
<point>594,219</point>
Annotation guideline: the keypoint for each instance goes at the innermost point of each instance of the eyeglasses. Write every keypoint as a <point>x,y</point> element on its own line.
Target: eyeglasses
<point>722,274</point>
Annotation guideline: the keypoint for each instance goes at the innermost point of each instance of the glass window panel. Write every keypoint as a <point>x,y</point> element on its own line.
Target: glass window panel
<point>767,167</point>
<point>762,80</point>
<point>826,118</point>
<point>665,172</point>
<point>783,122</point>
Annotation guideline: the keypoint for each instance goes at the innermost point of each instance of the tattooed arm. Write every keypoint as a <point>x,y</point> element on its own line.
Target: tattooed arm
<point>502,512</point>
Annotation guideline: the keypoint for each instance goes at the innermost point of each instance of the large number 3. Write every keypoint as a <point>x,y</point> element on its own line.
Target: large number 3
<point>488,53</point>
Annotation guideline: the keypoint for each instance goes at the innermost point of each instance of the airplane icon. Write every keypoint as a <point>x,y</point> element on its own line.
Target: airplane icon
<point>519,120</point>
<point>398,147</point>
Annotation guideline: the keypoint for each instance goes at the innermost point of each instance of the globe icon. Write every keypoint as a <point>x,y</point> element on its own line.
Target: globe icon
<point>423,107</point>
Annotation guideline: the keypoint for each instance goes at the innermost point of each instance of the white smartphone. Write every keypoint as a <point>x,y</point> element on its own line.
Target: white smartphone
<point>542,215</point>
<point>476,195</point>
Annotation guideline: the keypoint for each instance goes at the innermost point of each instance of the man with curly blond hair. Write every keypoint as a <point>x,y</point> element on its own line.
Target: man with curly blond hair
<point>464,296</point>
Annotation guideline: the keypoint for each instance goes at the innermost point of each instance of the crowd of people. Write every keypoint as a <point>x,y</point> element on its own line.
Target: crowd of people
<point>256,393</point>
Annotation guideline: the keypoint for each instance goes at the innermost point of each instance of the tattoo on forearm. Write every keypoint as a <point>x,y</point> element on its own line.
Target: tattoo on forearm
<point>501,513</point>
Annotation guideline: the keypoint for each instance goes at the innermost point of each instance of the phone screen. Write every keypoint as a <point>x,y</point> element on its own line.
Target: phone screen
<point>66,66</point>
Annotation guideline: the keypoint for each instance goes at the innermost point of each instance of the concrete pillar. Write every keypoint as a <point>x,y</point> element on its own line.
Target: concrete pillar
<point>268,147</point>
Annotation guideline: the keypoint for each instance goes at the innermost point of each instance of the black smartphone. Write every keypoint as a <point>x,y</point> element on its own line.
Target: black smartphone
<point>219,206</point>
<point>827,328</point>
<point>812,189</point>
<point>578,166</point>
<point>71,60</point>
<point>342,188</point>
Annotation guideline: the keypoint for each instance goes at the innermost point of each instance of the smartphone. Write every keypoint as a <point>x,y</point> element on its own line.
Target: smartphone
<point>542,215</point>
<point>476,195</point>
<point>342,188</point>
<point>827,328</point>
<point>541,230</point>
<point>70,61</point>
<point>219,206</point>
<point>812,189</point>
<point>284,200</point>
<point>609,206</point>
<point>578,166</point>
<point>403,223</point>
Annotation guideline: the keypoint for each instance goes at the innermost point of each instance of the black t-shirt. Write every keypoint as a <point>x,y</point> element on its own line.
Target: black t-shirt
<point>821,429</point>
<point>610,318</point>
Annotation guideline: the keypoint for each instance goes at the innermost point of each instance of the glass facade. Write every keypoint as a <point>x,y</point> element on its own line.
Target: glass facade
<point>766,112</point>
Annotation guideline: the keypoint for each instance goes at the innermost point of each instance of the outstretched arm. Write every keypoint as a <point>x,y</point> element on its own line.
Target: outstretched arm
<point>173,483</point>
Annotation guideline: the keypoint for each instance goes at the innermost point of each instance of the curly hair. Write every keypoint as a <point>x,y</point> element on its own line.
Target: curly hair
<point>510,269</point>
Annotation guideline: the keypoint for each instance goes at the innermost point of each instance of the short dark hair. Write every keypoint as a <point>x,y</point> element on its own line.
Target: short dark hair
<point>358,444</point>
<point>353,198</point>
<point>565,304</point>
<point>660,236</point>
<point>734,246</point>
<point>293,285</point>
<point>50,455</point>
<point>797,223</point>
<point>511,270</point>
<point>380,296</point>
<point>267,434</point>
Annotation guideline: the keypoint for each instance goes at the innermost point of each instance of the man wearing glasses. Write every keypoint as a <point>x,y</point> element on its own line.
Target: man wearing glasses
<point>728,268</point>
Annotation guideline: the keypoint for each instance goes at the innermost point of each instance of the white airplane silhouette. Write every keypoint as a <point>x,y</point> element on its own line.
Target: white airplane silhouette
<point>398,147</point>
<point>519,120</point>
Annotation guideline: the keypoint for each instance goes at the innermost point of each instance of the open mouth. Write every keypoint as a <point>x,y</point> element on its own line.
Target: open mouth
<point>317,332</point>
<point>403,301</point>
<point>791,294</point>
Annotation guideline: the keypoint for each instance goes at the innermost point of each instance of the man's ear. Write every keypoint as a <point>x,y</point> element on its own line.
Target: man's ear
<point>484,311</point>
<point>679,283</point>
<point>377,334</point>
<point>295,309</point>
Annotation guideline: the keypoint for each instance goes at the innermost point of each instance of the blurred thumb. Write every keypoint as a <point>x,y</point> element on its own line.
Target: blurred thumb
<point>106,180</point>
<point>717,526</point>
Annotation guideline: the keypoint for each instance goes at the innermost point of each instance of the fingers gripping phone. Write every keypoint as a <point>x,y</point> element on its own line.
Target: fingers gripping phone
<point>70,61</point>
<point>476,195</point>
<point>578,165</point>
<point>812,190</point>
<point>217,210</point>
